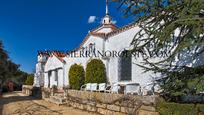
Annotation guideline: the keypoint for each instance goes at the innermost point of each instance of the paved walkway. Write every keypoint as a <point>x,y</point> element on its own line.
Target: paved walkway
<point>16,103</point>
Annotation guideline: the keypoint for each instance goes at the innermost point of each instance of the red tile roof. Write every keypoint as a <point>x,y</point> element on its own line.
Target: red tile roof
<point>58,54</point>
<point>103,35</point>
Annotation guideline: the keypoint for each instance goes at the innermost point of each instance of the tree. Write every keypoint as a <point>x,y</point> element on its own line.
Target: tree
<point>188,81</point>
<point>29,80</point>
<point>169,29</point>
<point>173,31</point>
<point>95,72</point>
<point>3,63</point>
<point>9,71</point>
<point>76,76</point>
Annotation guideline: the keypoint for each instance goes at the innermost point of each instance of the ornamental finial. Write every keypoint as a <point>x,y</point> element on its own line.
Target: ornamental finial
<point>106,7</point>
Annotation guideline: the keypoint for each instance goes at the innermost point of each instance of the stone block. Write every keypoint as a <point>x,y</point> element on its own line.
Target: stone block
<point>148,108</point>
<point>91,103</point>
<point>101,105</point>
<point>74,105</point>
<point>101,111</point>
<point>118,103</point>
<point>113,107</point>
<point>108,112</point>
<point>70,103</point>
<point>119,113</point>
<point>127,110</point>
<point>81,106</point>
<point>145,112</point>
<point>90,108</point>
<point>84,101</point>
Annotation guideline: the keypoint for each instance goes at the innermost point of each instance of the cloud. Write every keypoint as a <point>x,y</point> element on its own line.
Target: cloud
<point>91,19</point>
<point>114,21</point>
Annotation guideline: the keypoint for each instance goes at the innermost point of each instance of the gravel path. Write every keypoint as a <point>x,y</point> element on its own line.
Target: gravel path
<point>16,103</point>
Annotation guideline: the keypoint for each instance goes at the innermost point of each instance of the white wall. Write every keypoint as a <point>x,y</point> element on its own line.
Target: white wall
<point>39,71</point>
<point>46,80</point>
<point>82,60</point>
<point>54,64</point>
<point>118,42</point>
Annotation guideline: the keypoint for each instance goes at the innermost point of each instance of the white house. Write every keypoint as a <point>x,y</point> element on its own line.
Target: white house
<point>108,39</point>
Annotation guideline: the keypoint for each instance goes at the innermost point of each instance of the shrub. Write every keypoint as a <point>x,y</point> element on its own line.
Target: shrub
<point>200,107</point>
<point>76,76</point>
<point>95,72</point>
<point>29,80</point>
<point>54,87</point>
<point>170,108</point>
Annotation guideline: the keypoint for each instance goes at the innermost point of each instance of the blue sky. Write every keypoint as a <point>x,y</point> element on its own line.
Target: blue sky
<point>27,26</point>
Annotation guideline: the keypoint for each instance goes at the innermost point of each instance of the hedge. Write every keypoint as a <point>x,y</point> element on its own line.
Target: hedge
<point>171,108</point>
<point>95,72</point>
<point>76,76</point>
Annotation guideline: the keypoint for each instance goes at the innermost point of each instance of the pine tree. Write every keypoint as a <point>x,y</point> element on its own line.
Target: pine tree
<point>172,30</point>
<point>169,28</point>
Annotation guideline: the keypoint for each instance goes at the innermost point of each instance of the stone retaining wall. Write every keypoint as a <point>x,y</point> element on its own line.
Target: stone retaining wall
<point>112,104</point>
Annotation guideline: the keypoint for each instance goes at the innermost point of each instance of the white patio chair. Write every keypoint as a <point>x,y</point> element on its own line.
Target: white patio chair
<point>115,88</point>
<point>112,88</point>
<point>147,90</point>
<point>108,89</point>
<point>86,87</point>
<point>133,88</point>
<point>101,87</point>
<point>157,89</point>
<point>94,86</point>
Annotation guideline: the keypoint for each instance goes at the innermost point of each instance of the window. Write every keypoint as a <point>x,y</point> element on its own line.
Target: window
<point>91,47</point>
<point>125,66</point>
<point>56,75</point>
<point>49,74</point>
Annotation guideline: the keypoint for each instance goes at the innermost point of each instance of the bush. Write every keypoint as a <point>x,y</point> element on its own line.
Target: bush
<point>95,72</point>
<point>171,108</point>
<point>54,87</point>
<point>76,76</point>
<point>29,80</point>
<point>200,107</point>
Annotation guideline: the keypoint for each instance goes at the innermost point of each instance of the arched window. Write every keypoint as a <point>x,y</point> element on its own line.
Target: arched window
<point>91,47</point>
<point>125,66</point>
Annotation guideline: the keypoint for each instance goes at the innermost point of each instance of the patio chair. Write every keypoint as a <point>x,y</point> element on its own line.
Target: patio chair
<point>86,87</point>
<point>101,87</point>
<point>147,90</point>
<point>133,88</point>
<point>157,89</point>
<point>94,86</point>
<point>113,88</point>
